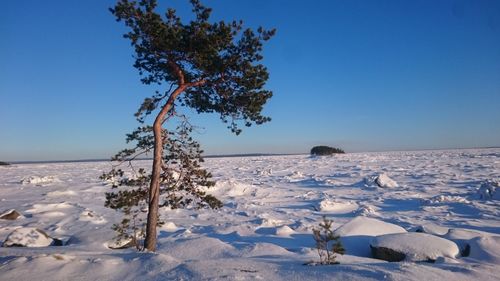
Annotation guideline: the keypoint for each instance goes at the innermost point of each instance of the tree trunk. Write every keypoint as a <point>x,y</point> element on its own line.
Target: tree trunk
<point>154,187</point>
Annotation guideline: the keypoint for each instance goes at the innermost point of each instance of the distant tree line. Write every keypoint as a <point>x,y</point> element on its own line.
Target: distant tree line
<point>326,150</point>
<point>4,163</point>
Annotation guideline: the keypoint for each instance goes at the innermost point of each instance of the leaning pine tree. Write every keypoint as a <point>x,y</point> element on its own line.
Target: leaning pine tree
<point>210,67</point>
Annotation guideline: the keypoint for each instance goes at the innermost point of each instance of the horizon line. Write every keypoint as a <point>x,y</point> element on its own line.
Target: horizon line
<point>256,154</point>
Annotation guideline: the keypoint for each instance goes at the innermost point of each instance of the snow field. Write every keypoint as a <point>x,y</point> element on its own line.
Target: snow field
<point>264,230</point>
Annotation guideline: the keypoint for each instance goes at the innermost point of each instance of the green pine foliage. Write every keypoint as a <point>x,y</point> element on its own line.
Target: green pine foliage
<point>327,243</point>
<point>210,67</point>
<point>183,181</point>
<point>221,58</point>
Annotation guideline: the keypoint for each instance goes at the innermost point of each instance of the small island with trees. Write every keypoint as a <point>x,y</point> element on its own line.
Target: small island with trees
<point>322,150</point>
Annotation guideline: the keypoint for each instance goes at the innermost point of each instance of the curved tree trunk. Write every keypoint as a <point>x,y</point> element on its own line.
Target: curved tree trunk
<point>154,187</point>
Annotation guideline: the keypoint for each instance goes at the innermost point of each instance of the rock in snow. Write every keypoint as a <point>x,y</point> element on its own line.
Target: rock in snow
<point>357,234</point>
<point>412,246</point>
<point>10,215</point>
<point>385,181</point>
<point>489,190</point>
<point>28,237</point>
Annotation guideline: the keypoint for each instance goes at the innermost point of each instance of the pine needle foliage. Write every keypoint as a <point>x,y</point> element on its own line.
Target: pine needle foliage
<point>183,181</point>
<point>210,67</point>
<point>327,243</point>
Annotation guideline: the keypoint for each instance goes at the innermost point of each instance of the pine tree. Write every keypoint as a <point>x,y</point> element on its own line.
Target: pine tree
<point>210,67</point>
<point>327,243</point>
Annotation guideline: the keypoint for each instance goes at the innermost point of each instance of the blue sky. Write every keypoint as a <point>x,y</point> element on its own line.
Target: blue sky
<point>361,75</point>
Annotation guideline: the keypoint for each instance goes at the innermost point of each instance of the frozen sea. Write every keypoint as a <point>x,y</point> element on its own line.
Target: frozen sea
<point>264,230</point>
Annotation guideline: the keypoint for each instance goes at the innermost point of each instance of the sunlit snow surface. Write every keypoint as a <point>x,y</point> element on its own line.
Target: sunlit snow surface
<point>263,232</point>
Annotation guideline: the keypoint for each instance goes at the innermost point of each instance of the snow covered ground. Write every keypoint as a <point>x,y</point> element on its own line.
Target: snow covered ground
<point>263,232</point>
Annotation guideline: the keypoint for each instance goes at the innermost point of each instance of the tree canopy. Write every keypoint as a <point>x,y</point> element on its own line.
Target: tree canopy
<point>217,62</point>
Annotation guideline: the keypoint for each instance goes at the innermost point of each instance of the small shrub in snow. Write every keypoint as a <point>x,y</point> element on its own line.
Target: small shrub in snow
<point>327,243</point>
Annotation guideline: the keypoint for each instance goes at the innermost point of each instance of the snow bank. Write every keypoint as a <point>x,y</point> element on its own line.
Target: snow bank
<point>489,190</point>
<point>416,246</point>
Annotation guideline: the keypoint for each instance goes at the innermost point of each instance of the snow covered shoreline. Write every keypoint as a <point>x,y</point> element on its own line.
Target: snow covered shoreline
<point>263,231</point>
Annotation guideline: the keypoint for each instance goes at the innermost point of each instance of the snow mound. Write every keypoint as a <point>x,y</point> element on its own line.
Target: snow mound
<point>489,190</point>
<point>485,248</point>
<point>337,207</point>
<point>431,228</point>
<point>366,210</point>
<point>271,222</point>
<point>28,237</point>
<point>295,176</point>
<point>231,188</point>
<point>368,227</point>
<point>284,231</point>
<point>90,216</point>
<point>37,180</point>
<point>357,234</point>
<point>199,248</point>
<point>265,249</point>
<point>169,226</point>
<point>415,246</point>
<point>384,181</point>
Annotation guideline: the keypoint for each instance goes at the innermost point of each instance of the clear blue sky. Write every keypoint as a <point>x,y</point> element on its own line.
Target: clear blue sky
<point>361,75</point>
